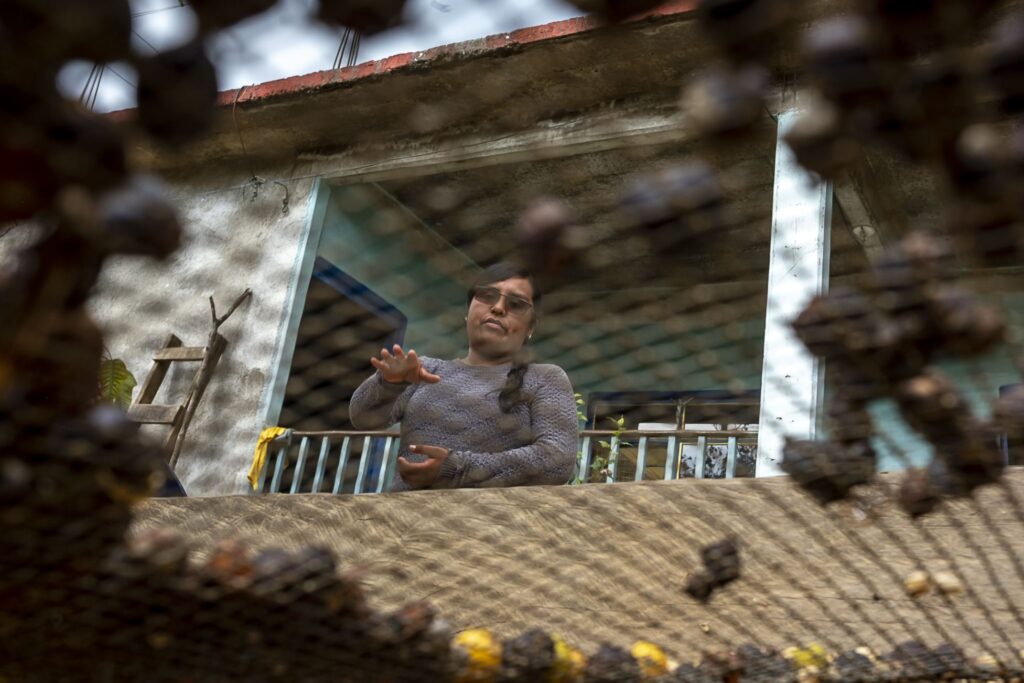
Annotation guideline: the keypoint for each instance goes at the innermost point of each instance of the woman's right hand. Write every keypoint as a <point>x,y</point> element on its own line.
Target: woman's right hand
<point>397,367</point>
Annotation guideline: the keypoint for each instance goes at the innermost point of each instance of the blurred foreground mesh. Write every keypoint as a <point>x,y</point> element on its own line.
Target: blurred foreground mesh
<point>654,256</point>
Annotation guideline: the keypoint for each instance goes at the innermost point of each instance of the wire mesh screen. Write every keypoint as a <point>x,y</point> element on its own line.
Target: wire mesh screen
<point>676,342</point>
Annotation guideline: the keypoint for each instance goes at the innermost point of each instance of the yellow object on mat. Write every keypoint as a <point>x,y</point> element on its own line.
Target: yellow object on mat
<point>652,660</point>
<point>259,456</point>
<point>479,656</point>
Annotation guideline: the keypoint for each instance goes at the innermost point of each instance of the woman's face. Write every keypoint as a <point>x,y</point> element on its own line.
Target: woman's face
<point>501,317</point>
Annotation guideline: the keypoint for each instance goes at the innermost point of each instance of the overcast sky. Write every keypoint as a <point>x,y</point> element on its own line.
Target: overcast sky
<point>286,42</point>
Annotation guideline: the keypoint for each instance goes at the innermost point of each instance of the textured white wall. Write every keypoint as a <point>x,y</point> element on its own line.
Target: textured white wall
<point>232,243</point>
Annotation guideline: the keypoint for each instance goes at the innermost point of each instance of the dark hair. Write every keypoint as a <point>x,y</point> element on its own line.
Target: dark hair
<point>511,393</point>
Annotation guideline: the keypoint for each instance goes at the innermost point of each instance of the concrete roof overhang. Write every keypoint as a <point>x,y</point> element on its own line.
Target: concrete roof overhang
<point>500,82</point>
<point>493,86</point>
<point>535,78</point>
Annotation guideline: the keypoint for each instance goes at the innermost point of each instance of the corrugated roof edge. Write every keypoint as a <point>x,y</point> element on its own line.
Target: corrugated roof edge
<point>297,85</point>
<point>559,29</point>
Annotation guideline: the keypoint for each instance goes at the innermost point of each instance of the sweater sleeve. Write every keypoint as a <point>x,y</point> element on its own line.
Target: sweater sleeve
<point>377,404</point>
<point>550,459</point>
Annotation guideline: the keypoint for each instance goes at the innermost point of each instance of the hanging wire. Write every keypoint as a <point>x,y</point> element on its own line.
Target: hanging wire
<point>348,49</point>
<point>91,89</point>
<point>354,52</point>
<point>145,42</point>
<point>147,12</point>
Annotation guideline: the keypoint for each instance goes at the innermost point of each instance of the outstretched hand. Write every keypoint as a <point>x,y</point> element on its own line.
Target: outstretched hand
<point>422,474</point>
<point>399,366</point>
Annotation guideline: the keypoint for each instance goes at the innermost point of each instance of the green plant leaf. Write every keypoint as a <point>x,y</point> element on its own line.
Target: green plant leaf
<point>604,444</point>
<point>116,382</point>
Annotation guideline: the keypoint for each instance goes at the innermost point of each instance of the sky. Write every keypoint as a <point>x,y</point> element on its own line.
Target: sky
<point>286,42</point>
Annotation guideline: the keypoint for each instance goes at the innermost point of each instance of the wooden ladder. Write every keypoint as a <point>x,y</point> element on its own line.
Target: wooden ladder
<point>144,411</point>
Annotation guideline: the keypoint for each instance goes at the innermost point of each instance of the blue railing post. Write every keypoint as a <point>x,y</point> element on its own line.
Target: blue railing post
<point>321,463</point>
<point>339,476</point>
<point>300,464</point>
<point>672,458</point>
<point>641,459</point>
<point>364,464</point>
<point>282,455</point>
<point>613,461</point>
<point>584,470</point>
<point>386,465</point>
<point>698,465</point>
<point>730,458</point>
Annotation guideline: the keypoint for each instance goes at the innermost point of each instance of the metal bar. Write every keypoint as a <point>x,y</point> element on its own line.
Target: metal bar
<point>275,481</point>
<point>637,433</point>
<point>698,466</point>
<point>364,461</point>
<point>339,476</point>
<point>300,464</point>
<point>730,459</point>
<point>321,463</point>
<point>613,461</point>
<point>263,473</point>
<point>393,460</point>
<point>641,459</point>
<point>626,433</point>
<point>584,471</point>
<point>336,433</point>
<point>385,461</point>
<point>587,440</point>
<point>672,459</point>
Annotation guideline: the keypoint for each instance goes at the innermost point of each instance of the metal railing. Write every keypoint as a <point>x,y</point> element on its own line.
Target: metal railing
<point>682,453</point>
<point>365,462</point>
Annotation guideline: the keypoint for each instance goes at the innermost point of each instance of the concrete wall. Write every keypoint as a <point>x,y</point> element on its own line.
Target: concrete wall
<point>233,242</point>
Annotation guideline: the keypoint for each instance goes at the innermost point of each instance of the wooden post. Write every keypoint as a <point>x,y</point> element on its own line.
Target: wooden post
<point>215,346</point>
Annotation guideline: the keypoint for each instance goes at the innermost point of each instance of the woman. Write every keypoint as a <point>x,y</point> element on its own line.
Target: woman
<point>489,419</point>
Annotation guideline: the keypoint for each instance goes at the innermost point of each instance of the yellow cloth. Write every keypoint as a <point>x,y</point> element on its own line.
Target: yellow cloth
<point>259,456</point>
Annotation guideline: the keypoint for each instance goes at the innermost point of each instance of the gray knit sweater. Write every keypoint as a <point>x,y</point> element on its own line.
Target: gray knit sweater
<point>534,443</point>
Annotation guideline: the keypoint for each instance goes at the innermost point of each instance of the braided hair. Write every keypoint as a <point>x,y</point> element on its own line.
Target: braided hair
<point>511,393</point>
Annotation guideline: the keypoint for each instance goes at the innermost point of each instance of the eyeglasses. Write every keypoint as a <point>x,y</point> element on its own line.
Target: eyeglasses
<point>489,296</point>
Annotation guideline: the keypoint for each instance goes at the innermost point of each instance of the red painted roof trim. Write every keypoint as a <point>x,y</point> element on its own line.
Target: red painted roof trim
<point>559,29</point>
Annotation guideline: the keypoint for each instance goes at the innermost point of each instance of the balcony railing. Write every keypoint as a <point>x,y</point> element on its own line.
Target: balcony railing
<point>365,462</point>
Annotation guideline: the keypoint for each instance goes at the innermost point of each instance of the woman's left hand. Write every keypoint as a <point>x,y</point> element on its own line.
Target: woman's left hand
<point>422,474</point>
